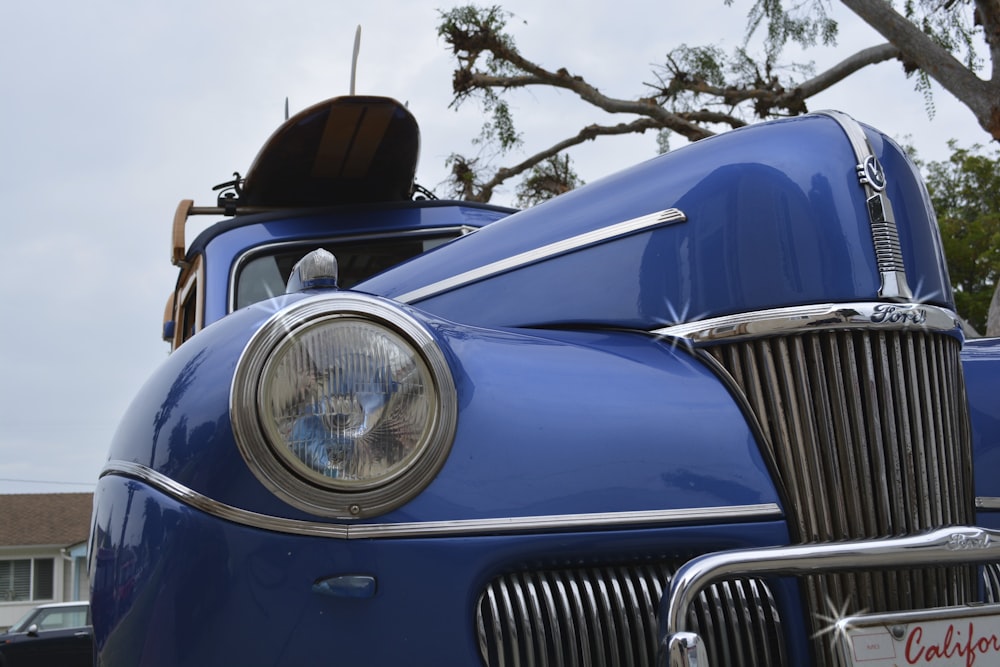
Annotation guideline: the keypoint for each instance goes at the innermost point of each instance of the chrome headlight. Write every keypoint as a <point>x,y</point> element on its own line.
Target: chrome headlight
<point>343,406</point>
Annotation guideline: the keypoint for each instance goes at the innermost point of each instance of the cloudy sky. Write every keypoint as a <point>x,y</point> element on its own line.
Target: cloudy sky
<point>113,111</point>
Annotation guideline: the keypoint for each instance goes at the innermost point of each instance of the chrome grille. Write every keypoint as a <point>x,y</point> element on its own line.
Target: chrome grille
<point>607,616</point>
<point>868,434</point>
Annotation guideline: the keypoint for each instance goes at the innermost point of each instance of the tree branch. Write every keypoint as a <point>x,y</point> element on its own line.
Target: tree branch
<point>846,67</point>
<point>676,122</point>
<point>988,16</point>
<point>485,191</point>
<point>773,95</point>
<point>917,47</point>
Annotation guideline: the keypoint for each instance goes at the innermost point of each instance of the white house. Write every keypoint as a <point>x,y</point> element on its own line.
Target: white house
<point>43,550</point>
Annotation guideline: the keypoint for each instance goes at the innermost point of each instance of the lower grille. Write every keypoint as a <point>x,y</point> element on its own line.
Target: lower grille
<point>868,434</point>
<point>607,616</point>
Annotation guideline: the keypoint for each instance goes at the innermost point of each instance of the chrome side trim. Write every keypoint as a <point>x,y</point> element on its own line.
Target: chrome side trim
<point>237,515</point>
<point>957,544</point>
<point>987,503</point>
<point>555,522</point>
<point>642,223</point>
<point>800,319</point>
<point>885,234</point>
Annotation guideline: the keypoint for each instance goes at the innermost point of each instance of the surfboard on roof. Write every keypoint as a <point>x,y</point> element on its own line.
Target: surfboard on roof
<point>344,150</point>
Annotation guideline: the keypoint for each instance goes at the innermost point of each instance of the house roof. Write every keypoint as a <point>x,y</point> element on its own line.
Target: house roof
<point>31,519</point>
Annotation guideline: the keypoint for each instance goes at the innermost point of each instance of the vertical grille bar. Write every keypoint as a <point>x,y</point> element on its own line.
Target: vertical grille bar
<point>869,435</point>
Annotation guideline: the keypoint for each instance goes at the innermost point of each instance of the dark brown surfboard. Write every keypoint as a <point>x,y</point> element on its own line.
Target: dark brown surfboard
<point>345,150</point>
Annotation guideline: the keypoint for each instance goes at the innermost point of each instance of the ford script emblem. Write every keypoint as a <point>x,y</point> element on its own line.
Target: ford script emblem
<point>961,542</point>
<point>898,314</point>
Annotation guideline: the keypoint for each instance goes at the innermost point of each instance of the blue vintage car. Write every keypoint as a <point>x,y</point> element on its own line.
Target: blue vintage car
<point>716,409</point>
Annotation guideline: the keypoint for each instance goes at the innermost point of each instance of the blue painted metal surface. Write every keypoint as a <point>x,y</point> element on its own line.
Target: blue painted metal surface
<point>602,447</point>
<point>981,359</point>
<point>223,594</point>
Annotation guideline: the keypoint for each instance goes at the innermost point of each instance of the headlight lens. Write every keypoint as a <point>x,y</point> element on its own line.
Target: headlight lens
<point>343,405</point>
<point>347,403</point>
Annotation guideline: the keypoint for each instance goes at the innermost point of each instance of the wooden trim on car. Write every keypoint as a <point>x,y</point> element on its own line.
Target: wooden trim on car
<point>189,301</point>
<point>177,246</point>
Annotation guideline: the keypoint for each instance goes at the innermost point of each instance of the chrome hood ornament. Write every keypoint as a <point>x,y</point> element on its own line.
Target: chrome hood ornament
<point>885,235</point>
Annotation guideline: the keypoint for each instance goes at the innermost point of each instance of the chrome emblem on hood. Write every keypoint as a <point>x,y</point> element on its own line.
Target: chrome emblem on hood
<point>885,235</point>
<point>870,173</point>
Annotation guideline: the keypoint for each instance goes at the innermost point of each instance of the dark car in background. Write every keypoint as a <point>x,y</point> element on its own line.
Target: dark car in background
<point>50,634</point>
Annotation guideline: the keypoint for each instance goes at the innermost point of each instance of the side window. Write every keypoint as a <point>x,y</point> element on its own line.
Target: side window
<point>58,619</point>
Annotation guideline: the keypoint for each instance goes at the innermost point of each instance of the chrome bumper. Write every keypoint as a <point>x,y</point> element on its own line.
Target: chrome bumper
<point>681,648</point>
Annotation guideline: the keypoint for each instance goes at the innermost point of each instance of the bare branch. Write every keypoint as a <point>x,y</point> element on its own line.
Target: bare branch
<point>679,123</point>
<point>987,15</point>
<point>485,191</point>
<point>704,116</point>
<point>770,95</point>
<point>917,47</point>
<point>846,67</point>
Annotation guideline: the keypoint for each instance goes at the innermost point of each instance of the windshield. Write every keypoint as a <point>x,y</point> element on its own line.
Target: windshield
<point>23,623</point>
<point>264,274</point>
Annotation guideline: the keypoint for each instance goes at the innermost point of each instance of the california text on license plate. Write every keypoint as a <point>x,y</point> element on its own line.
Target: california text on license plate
<point>947,637</point>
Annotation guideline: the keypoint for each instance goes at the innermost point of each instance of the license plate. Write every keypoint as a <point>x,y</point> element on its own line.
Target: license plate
<point>947,637</point>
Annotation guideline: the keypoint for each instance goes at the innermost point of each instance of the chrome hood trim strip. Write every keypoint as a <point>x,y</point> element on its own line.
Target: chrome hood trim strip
<point>632,226</point>
<point>800,319</point>
<point>555,522</point>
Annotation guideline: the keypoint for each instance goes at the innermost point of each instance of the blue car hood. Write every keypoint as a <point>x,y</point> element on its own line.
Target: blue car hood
<point>770,216</point>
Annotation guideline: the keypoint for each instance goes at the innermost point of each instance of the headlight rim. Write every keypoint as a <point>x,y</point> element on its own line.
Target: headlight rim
<point>266,463</point>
